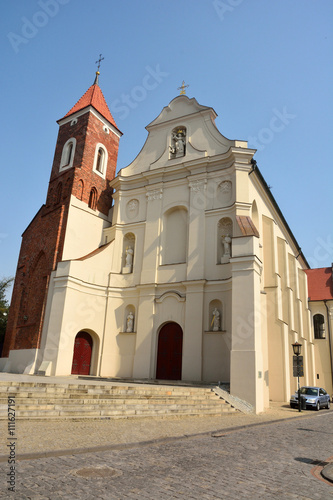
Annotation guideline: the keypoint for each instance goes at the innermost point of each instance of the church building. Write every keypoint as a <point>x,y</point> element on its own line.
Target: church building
<point>180,267</point>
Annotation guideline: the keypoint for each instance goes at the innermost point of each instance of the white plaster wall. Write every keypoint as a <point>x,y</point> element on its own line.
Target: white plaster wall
<point>20,361</point>
<point>84,230</point>
<point>75,307</point>
<point>216,357</point>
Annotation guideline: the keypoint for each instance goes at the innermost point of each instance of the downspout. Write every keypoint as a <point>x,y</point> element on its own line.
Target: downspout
<point>329,338</point>
<point>104,327</point>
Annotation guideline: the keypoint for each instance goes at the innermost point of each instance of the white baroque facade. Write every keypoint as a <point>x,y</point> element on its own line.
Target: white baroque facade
<point>197,275</point>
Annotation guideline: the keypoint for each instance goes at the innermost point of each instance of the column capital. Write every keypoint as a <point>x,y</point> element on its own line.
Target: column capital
<point>197,185</point>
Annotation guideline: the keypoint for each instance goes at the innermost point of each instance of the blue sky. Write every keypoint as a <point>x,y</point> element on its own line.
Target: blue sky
<point>265,67</point>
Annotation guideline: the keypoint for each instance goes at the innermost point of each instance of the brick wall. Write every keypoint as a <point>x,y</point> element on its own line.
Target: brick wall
<point>43,240</point>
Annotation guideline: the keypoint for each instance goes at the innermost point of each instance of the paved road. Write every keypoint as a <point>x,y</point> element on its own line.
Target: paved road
<point>269,461</point>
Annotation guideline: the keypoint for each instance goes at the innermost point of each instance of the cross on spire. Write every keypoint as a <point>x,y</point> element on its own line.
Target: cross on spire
<point>99,61</point>
<point>182,88</point>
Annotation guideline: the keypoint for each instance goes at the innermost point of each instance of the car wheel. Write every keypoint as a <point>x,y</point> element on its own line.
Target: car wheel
<point>318,406</point>
<point>328,405</point>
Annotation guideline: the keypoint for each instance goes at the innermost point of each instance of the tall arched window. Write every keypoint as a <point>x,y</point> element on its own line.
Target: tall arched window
<point>67,155</point>
<point>93,199</point>
<point>319,326</point>
<point>100,160</point>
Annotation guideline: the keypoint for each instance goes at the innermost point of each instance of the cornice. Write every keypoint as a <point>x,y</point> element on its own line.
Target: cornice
<point>207,165</point>
<point>93,111</point>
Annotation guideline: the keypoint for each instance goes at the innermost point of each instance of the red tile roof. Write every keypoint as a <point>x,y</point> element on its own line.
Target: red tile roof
<point>320,283</point>
<point>93,97</point>
<point>246,226</point>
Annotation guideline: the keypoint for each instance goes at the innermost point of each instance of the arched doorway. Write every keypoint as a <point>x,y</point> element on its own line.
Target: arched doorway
<point>169,352</point>
<point>82,354</point>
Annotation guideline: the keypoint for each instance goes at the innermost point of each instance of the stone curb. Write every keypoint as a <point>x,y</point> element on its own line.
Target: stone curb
<point>124,446</point>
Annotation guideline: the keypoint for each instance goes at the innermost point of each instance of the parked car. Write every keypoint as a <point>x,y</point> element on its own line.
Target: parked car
<point>312,397</point>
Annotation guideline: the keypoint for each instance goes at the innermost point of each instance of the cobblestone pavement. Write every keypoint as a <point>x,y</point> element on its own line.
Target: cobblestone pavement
<point>74,434</point>
<point>268,461</point>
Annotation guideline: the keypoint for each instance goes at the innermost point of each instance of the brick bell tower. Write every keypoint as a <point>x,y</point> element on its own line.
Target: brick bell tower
<point>84,163</point>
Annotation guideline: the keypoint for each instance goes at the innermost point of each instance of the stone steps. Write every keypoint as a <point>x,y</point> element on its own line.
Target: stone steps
<point>124,406</point>
<point>108,402</point>
<point>49,400</point>
<point>100,395</point>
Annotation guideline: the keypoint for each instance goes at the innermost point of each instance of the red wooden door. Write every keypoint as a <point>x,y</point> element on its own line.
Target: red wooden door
<point>82,354</point>
<point>169,352</point>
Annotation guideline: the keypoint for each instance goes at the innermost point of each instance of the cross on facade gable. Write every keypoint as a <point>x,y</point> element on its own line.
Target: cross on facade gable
<point>182,88</point>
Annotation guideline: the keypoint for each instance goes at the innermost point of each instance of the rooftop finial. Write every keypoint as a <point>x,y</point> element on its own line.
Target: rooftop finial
<point>182,88</point>
<point>98,62</point>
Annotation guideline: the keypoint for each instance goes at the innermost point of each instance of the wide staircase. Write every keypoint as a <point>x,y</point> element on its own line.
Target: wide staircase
<point>38,400</point>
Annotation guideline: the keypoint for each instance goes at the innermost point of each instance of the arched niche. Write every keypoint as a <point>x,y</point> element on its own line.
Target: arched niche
<point>224,236</point>
<point>215,316</point>
<point>129,319</point>
<point>174,236</point>
<point>80,189</point>
<point>255,214</point>
<point>92,203</point>
<point>128,253</point>
<point>177,146</point>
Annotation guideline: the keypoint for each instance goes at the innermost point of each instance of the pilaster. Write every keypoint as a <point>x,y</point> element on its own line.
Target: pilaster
<point>145,332</point>
<point>192,340</point>
<point>196,236</point>
<point>247,368</point>
<point>150,262</point>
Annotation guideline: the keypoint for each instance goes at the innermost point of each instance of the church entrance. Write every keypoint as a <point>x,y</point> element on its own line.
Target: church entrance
<point>82,354</point>
<point>169,352</point>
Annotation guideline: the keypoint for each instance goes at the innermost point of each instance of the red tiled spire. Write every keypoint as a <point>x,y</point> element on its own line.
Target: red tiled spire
<point>93,97</point>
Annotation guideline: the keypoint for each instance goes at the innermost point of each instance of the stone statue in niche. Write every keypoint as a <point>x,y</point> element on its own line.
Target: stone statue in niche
<point>226,245</point>
<point>130,323</point>
<point>177,148</point>
<point>128,260</point>
<point>129,256</point>
<point>215,320</point>
<point>226,241</point>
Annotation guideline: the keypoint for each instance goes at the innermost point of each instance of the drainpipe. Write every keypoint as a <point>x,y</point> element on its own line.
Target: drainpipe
<point>104,327</point>
<point>329,338</point>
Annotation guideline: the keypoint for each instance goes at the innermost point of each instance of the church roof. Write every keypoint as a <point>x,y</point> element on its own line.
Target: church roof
<point>320,284</point>
<point>93,97</point>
